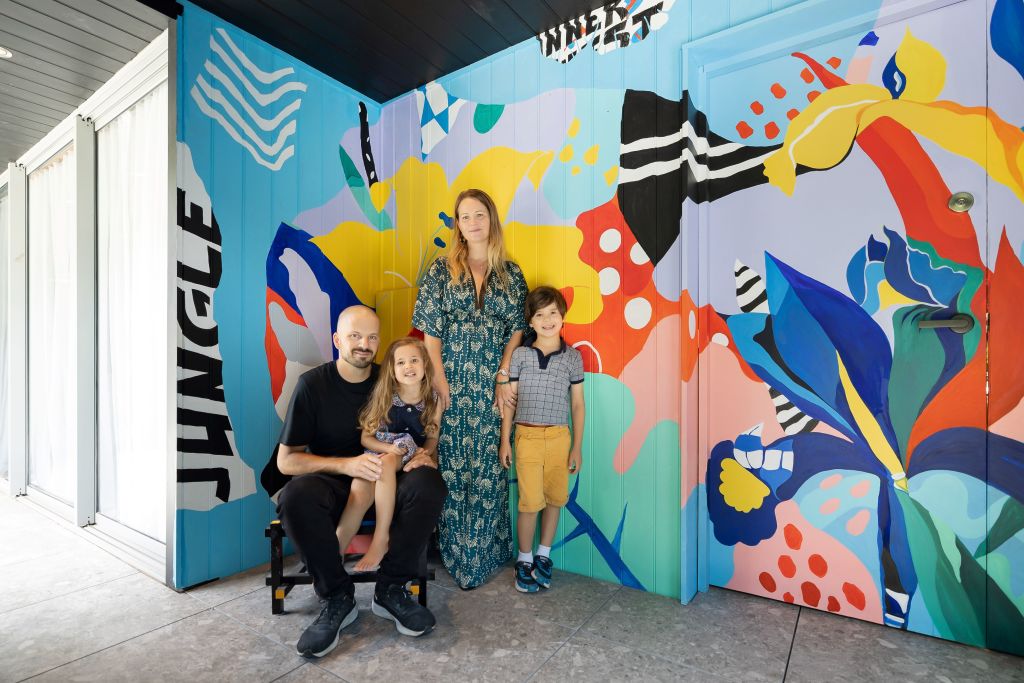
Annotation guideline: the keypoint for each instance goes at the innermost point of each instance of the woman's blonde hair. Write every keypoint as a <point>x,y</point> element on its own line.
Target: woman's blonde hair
<point>458,252</point>
<point>375,412</point>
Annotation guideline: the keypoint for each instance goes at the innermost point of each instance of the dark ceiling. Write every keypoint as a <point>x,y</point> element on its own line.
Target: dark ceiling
<point>62,52</point>
<point>65,49</point>
<point>384,48</point>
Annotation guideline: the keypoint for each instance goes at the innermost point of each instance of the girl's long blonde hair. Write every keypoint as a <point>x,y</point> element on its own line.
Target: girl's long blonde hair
<point>458,252</point>
<point>375,412</point>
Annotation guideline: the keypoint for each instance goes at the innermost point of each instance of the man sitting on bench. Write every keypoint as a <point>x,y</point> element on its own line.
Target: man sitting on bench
<point>320,447</point>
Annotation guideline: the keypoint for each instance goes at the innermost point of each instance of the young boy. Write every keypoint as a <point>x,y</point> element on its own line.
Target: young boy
<point>549,374</point>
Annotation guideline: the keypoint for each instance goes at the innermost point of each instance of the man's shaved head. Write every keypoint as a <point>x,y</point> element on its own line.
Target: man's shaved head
<point>357,336</point>
<point>357,311</point>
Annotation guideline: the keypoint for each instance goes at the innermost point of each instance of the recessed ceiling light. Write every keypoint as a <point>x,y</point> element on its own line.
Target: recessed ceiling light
<point>5,53</point>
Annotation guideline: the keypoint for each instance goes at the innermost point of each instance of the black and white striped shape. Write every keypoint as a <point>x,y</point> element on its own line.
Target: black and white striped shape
<point>714,166</point>
<point>667,153</point>
<point>750,292</point>
<point>792,419</point>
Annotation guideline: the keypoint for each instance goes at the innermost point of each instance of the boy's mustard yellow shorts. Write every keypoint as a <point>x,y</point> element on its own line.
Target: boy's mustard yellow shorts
<point>542,466</point>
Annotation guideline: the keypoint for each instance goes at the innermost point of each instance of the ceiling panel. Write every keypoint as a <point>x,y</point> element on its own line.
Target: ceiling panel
<point>63,51</point>
<point>384,48</point>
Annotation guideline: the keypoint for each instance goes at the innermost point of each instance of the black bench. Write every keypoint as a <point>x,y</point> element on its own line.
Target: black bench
<point>281,584</point>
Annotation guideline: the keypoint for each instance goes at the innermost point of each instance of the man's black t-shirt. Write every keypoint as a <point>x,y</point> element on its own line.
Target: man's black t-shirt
<point>324,412</point>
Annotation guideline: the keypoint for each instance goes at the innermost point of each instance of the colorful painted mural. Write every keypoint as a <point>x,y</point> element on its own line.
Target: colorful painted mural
<point>851,466</point>
<point>746,266</point>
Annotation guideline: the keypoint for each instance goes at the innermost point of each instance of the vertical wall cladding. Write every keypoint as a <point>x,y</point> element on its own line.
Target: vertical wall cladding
<point>854,460</point>
<point>265,186</point>
<point>822,444</point>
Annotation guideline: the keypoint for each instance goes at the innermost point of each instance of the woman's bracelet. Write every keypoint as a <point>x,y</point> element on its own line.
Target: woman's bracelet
<point>505,382</point>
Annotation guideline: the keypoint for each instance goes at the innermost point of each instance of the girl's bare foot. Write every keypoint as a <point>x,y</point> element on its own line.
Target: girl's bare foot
<point>374,554</point>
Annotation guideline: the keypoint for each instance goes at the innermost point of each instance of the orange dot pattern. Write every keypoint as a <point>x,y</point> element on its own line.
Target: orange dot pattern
<point>771,130</point>
<point>757,107</point>
<point>778,91</point>
<point>744,129</point>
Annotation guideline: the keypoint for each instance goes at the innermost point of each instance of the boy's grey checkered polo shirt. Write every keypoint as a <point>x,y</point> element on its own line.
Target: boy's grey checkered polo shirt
<point>544,383</point>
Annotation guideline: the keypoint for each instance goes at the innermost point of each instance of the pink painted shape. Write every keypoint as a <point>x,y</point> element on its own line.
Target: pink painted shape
<point>829,506</point>
<point>1011,425</point>
<point>858,523</point>
<point>843,567</point>
<point>830,481</point>
<point>861,489</point>
<point>859,70</point>
<point>653,377</point>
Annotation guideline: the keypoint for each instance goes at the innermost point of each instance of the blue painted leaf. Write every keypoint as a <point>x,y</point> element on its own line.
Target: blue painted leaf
<point>893,79</point>
<point>1008,32</point>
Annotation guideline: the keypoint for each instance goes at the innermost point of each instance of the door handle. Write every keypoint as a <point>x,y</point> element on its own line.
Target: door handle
<point>961,323</point>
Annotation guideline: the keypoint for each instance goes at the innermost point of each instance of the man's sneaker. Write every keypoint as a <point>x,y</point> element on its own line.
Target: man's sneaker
<point>542,567</point>
<point>525,582</point>
<point>396,603</point>
<point>322,635</point>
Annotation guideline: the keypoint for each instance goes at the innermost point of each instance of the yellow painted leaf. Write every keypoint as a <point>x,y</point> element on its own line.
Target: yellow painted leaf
<point>821,135</point>
<point>924,68</point>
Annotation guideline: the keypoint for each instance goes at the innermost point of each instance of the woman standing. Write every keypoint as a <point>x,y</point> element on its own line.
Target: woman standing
<point>470,309</point>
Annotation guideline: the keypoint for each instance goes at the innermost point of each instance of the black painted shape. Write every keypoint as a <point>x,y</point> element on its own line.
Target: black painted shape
<point>217,428</point>
<point>193,221</point>
<point>208,384</point>
<point>364,143</point>
<point>214,474</point>
<point>200,336</point>
<point>198,277</point>
<point>653,206</point>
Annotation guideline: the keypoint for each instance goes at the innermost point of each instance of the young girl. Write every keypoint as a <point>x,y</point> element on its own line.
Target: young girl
<point>401,416</point>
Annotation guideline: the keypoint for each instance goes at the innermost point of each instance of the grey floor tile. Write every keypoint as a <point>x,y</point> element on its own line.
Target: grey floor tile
<point>471,642</point>
<point>309,673</point>
<point>47,634</point>
<point>571,600</point>
<point>208,646</point>
<point>834,648</point>
<point>231,587</point>
<point>301,608</point>
<point>31,536</point>
<point>736,636</point>
<point>587,657</point>
<point>44,578</point>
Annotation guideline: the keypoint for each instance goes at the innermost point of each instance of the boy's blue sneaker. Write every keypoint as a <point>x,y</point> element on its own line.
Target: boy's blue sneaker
<point>524,578</point>
<point>542,567</point>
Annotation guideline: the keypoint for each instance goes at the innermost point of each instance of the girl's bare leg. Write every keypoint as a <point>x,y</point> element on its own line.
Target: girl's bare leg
<point>384,503</point>
<point>360,498</point>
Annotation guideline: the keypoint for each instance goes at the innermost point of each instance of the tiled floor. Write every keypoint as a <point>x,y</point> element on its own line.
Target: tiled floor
<point>71,612</point>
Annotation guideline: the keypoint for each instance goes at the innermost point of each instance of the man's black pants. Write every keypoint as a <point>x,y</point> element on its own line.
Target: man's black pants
<point>310,506</point>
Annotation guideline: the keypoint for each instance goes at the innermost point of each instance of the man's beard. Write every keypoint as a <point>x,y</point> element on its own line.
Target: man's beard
<point>358,362</point>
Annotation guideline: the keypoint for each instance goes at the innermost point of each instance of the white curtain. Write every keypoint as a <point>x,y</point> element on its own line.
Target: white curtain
<point>52,326</point>
<point>4,288</point>
<point>131,290</point>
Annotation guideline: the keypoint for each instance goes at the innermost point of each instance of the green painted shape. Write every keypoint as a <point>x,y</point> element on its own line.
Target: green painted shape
<point>975,277</point>
<point>946,591</point>
<point>379,219</point>
<point>486,115</point>
<point>650,539</point>
<point>610,410</point>
<point>1007,524</point>
<point>917,363</point>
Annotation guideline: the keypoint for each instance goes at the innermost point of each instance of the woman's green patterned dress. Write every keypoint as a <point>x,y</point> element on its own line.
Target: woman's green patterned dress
<point>476,534</point>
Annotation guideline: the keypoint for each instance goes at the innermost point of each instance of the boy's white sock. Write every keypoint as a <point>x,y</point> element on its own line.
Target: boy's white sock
<point>544,550</point>
<point>525,557</point>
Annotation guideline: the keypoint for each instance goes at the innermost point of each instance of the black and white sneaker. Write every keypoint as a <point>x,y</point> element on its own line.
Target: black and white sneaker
<point>396,603</point>
<point>323,634</point>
